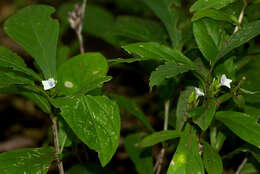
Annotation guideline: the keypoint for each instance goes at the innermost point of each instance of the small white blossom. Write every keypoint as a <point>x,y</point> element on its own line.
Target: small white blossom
<point>224,81</point>
<point>198,92</point>
<point>48,84</point>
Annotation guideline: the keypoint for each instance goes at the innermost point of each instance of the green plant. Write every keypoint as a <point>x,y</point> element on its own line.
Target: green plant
<point>207,47</point>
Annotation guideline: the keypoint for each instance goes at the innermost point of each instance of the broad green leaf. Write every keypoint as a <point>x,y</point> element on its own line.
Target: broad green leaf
<point>245,126</point>
<point>95,120</point>
<point>169,15</point>
<point>166,71</point>
<point>34,29</point>
<point>16,63</point>
<point>80,71</point>
<point>154,50</point>
<point>216,15</point>
<point>158,137</point>
<point>63,53</point>
<point>206,4</point>
<point>243,35</point>
<point>39,100</point>
<point>140,29</point>
<point>186,159</point>
<point>93,85</point>
<point>228,68</point>
<point>212,160</point>
<point>183,107</point>
<point>141,157</point>
<point>209,36</point>
<point>203,115</point>
<point>252,82</point>
<point>201,71</point>
<point>100,23</point>
<point>13,78</point>
<point>89,168</point>
<point>133,108</point>
<point>254,111</point>
<point>28,160</point>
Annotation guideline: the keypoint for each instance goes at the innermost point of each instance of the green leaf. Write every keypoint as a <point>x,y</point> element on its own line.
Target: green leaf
<point>140,29</point>
<point>39,100</point>
<point>28,160</point>
<point>252,82</point>
<point>228,68</point>
<point>100,22</point>
<point>166,71</point>
<point>158,137</point>
<point>154,50</point>
<point>12,78</point>
<point>243,35</point>
<point>209,37</point>
<point>95,120</point>
<point>142,157</point>
<point>169,16</point>
<point>183,107</point>
<point>206,4</point>
<point>63,136</point>
<point>203,115</point>
<point>16,63</point>
<point>212,160</point>
<point>133,108</point>
<point>186,159</point>
<point>243,125</point>
<point>34,29</point>
<point>216,15</point>
<point>81,72</point>
<point>116,61</point>
<point>63,53</point>
<point>89,168</point>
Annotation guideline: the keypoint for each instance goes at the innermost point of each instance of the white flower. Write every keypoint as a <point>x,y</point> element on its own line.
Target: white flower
<point>224,81</point>
<point>198,92</point>
<point>48,84</point>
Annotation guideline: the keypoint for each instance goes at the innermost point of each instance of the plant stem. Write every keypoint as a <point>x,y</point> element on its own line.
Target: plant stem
<point>241,166</point>
<point>79,31</point>
<point>76,21</point>
<point>166,114</point>
<point>159,162</point>
<point>241,16</point>
<point>56,145</point>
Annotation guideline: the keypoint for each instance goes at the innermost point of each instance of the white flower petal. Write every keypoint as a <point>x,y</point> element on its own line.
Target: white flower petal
<point>48,84</point>
<point>198,92</point>
<point>224,81</point>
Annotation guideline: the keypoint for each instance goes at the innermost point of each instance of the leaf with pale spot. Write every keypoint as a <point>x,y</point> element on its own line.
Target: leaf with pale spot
<point>84,72</point>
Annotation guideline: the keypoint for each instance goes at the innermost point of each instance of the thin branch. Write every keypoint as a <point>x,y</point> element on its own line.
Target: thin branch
<point>241,166</point>
<point>166,114</point>
<point>56,145</point>
<point>241,16</point>
<point>76,21</point>
<point>159,162</point>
